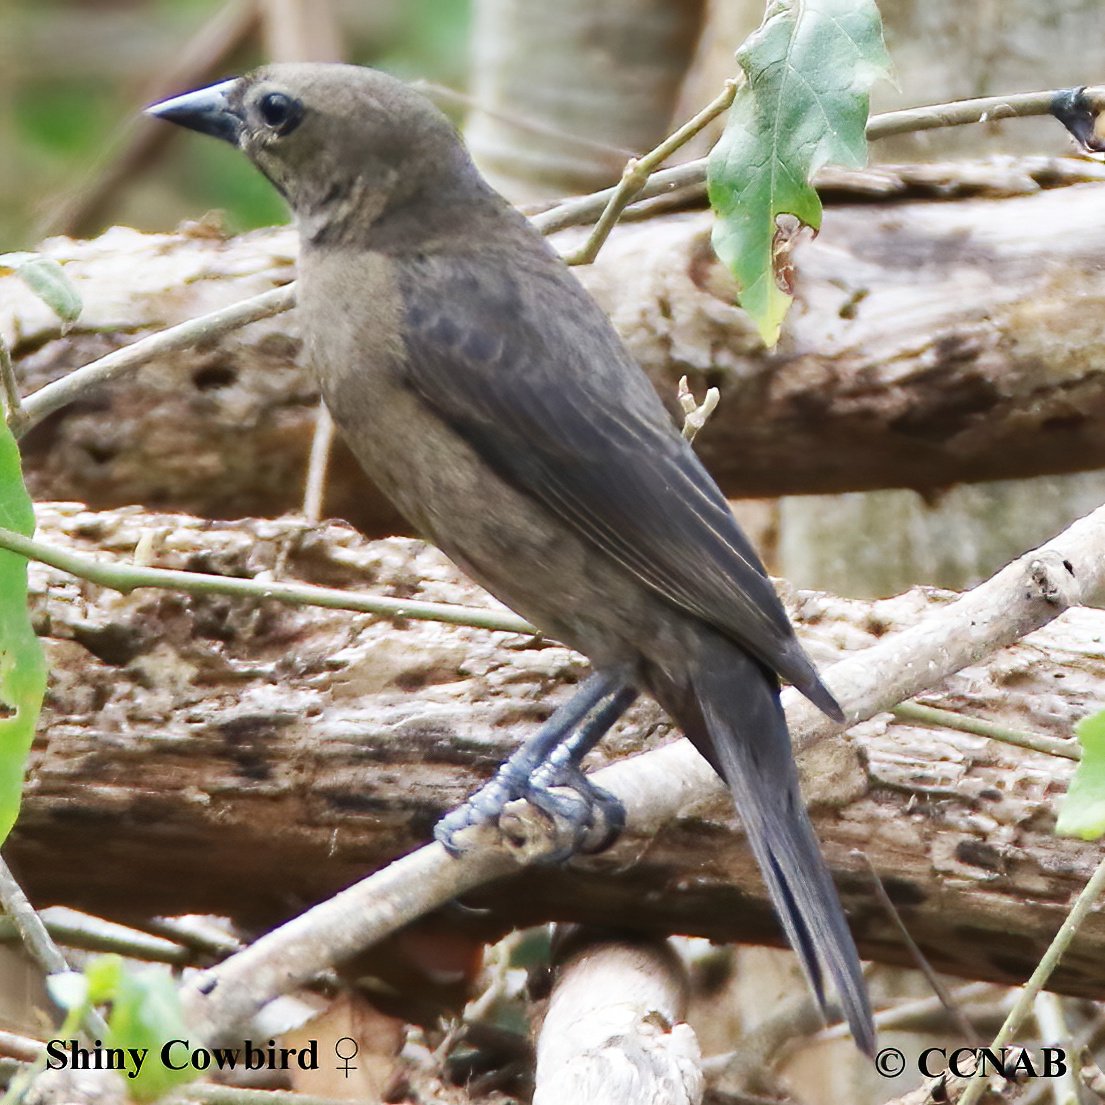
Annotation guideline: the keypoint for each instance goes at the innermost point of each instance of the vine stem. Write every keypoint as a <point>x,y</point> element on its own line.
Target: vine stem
<point>1044,969</point>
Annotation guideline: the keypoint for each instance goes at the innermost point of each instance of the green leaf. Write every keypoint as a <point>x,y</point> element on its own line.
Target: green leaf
<point>1083,810</point>
<point>47,279</point>
<point>804,104</point>
<point>102,976</point>
<point>22,666</point>
<point>145,1015</point>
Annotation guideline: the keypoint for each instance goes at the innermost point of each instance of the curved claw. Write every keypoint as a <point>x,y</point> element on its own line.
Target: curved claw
<point>585,818</point>
<point>596,816</point>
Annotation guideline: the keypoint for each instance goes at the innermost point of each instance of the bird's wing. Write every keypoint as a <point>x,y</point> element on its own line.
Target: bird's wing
<point>526,367</point>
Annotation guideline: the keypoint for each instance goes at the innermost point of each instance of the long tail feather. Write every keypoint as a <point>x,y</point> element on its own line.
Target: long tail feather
<point>729,707</point>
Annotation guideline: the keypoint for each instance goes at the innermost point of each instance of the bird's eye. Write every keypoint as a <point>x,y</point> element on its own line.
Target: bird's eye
<point>280,112</point>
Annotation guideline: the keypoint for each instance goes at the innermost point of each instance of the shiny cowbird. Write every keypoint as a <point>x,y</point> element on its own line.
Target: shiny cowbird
<point>489,396</point>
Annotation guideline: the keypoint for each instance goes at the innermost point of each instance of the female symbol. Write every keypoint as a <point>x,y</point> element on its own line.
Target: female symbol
<point>348,1041</point>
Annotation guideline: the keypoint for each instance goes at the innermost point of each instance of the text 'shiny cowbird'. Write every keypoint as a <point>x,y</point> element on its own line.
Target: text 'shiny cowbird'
<point>489,396</point>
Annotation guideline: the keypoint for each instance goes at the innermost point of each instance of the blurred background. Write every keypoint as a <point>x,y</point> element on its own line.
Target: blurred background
<point>565,91</point>
<point>74,72</point>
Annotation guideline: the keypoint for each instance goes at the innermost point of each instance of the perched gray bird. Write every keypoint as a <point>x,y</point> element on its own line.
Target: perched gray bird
<point>489,396</point>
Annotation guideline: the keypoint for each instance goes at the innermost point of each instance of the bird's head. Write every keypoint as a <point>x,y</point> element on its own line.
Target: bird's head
<point>341,143</point>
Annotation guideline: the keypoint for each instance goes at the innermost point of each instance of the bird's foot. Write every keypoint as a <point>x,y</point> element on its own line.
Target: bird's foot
<point>567,797</point>
<point>573,815</point>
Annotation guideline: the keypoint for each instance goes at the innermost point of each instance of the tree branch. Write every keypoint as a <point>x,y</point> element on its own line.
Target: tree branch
<point>614,1031</point>
<point>125,578</point>
<point>185,335</point>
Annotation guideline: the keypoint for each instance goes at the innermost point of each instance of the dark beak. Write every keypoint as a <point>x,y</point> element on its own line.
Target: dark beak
<point>207,110</point>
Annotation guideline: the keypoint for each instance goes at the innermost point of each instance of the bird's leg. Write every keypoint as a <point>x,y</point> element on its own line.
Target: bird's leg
<point>585,804</point>
<point>550,759</point>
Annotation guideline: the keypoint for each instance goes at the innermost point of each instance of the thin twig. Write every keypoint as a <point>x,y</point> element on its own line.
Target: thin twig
<point>210,1094</point>
<point>127,577</point>
<point>958,113</point>
<point>318,464</point>
<point>1052,1023</point>
<point>14,413</point>
<point>443,94</point>
<point>695,414</point>
<point>933,717</point>
<point>22,1048</point>
<point>966,1029</point>
<point>77,930</point>
<point>38,942</point>
<point>638,170</point>
<point>32,931</point>
<point>581,210</point>
<point>585,209</point>
<point>1091,1075</point>
<point>1040,975</point>
<point>916,1014</point>
<point>197,934</point>
<point>764,1046</point>
<point>185,335</point>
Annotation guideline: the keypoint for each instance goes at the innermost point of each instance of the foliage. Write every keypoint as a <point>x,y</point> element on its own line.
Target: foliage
<point>804,103</point>
<point>22,667</point>
<point>1083,810</point>
<point>145,1014</point>
<point>47,279</point>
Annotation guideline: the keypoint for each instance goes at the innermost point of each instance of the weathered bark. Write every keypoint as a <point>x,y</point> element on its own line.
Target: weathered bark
<point>933,343</point>
<point>871,545</point>
<point>614,1031</point>
<point>206,755</point>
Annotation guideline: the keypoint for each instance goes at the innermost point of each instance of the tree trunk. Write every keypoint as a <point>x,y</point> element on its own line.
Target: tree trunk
<point>567,92</point>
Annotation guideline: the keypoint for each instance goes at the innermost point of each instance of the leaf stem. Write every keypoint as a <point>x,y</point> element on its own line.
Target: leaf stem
<point>38,942</point>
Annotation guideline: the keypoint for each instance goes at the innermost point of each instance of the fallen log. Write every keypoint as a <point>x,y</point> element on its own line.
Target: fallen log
<point>202,754</point>
<point>932,343</point>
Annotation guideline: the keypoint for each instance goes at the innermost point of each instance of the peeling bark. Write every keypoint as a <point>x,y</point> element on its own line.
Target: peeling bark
<point>199,754</point>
